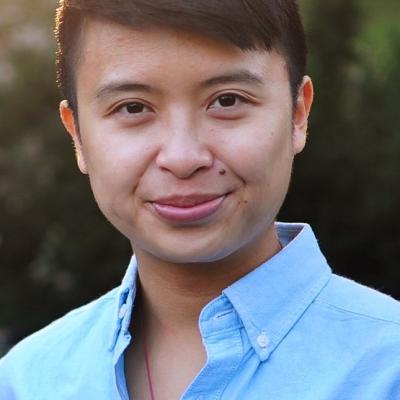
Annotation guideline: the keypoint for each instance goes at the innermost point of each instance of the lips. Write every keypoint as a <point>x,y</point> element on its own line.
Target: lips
<point>188,208</point>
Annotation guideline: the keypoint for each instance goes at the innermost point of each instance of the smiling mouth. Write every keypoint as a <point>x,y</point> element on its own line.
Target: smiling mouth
<point>188,208</point>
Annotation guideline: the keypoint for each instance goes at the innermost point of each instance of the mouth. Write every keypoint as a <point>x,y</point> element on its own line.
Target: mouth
<point>188,208</point>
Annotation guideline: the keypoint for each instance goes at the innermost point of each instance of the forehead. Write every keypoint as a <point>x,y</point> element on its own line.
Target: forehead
<point>110,50</point>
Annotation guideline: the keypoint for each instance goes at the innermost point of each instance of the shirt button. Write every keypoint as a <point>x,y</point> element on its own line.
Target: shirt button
<point>263,341</point>
<point>122,311</point>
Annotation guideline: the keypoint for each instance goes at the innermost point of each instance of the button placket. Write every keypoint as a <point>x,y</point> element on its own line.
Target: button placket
<point>122,311</point>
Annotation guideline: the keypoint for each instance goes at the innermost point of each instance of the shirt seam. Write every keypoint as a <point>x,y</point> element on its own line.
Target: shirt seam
<point>360,314</point>
<point>232,370</point>
<point>278,334</point>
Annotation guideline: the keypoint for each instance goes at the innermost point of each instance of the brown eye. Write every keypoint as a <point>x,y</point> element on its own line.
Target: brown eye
<point>135,108</point>
<point>227,100</point>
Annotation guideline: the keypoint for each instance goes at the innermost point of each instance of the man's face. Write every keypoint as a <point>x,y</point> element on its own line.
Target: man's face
<point>188,142</point>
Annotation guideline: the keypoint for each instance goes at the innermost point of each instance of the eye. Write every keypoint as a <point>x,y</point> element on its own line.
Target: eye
<point>133,108</point>
<point>131,112</point>
<point>228,100</point>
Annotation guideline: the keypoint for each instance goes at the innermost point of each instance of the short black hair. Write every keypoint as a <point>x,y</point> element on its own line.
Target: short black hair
<point>247,24</point>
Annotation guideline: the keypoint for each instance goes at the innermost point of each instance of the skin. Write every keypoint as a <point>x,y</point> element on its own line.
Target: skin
<point>179,137</point>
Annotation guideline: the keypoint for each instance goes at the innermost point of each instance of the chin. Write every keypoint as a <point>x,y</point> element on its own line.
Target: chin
<point>190,254</point>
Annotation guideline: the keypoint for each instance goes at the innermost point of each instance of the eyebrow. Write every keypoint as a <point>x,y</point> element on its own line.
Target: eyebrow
<point>242,76</point>
<point>119,87</point>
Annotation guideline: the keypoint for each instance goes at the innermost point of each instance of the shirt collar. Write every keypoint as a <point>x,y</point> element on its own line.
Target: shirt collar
<point>124,303</point>
<point>270,299</point>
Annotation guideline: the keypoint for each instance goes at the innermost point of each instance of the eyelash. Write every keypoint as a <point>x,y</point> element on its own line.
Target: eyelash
<point>236,96</point>
<point>120,107</point>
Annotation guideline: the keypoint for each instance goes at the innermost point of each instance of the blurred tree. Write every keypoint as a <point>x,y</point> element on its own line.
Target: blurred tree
<point>56,250</point>
<point>377,124</point>
<point>325,185</point>
<point>345,183</point>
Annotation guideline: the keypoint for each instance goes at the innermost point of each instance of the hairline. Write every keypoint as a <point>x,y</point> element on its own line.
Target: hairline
<point>76,55</point>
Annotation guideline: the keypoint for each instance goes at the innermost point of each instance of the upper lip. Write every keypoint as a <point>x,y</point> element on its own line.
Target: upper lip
<point>187,200</point>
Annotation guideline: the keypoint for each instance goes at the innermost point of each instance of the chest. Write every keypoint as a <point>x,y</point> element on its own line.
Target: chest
<point>163,371</point>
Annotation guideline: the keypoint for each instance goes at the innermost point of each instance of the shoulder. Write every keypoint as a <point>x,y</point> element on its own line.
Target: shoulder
<point>349,297</point>
<point>362,330</point>
<point>62,340</point>
<point>363,318</point>
<point>75,323</point>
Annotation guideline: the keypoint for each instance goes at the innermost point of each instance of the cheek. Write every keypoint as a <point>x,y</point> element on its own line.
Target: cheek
<point>115,165</point>
<point>259,155</point>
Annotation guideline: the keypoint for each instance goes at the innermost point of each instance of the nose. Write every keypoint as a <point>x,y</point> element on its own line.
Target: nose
<point>182,153</point>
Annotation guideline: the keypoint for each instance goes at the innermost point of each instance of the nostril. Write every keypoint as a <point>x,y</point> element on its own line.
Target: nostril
<point>184,164</point>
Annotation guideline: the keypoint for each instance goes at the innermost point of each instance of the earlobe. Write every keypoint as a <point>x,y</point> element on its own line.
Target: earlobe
<point>68,120</point>
<point>301,114</point>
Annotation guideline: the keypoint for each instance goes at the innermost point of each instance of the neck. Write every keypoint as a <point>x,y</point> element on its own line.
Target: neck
<point>172,295</point>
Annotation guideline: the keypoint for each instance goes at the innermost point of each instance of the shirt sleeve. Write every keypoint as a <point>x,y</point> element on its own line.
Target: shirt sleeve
<point>6,392</point>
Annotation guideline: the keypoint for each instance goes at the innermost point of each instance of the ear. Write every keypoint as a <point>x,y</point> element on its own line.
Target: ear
<point>301,113</point>
<point>68,119</point>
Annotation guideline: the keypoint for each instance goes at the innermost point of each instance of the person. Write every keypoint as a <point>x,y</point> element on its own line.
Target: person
<point>186,115</point>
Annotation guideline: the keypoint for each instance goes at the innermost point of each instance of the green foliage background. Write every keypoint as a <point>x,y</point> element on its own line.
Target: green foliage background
<point>57,251</point>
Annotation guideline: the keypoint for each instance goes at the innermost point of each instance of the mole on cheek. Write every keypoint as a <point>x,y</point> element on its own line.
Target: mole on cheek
<point>222,172</point>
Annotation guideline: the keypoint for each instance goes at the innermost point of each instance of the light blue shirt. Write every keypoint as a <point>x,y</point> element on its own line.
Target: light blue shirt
<point>289,330</point>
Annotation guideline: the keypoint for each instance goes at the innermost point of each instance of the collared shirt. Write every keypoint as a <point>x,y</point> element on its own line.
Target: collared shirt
<point>289,330</point>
